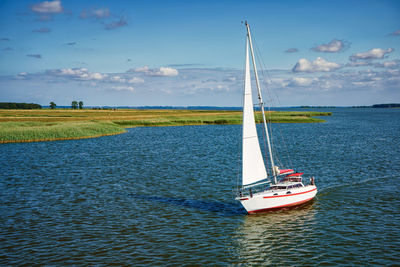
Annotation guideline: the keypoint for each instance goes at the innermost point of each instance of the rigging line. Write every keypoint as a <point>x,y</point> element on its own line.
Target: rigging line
<point>266,161</point>
<point>263,69</point>
<point>272,98</point>
<point>276,137</point>
<point>265,151</point>
<point>279,127</point>
<point>275,97</point>
<point>260,60</point>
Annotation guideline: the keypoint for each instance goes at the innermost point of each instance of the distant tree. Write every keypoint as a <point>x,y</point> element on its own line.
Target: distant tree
<point>53,105</point>
<point>74,105</point>
<point>80,104</point>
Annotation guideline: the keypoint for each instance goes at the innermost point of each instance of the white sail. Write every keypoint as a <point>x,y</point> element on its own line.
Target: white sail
<point>253,168</point>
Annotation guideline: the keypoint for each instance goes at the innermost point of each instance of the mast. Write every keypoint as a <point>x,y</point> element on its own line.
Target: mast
<point>261,103</point>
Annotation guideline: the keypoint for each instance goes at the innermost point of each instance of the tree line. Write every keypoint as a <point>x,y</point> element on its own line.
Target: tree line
<point>11,105</point>
<point>390,105</point>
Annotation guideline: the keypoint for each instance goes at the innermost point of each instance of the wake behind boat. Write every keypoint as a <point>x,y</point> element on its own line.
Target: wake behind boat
<point>257,193</point>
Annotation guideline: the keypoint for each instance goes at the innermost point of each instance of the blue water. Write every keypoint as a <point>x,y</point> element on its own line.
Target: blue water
<point>164,195</point>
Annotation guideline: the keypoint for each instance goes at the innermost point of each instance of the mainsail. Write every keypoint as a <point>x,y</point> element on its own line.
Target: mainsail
<point>253,168</point>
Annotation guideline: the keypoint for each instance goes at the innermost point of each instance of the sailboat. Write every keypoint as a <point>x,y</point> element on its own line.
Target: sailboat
<point>257,192</point>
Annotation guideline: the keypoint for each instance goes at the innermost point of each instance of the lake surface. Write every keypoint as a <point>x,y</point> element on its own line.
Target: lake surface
<point>164,195</point>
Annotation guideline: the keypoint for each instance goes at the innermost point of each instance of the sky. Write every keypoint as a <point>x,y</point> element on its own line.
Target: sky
<point>191,53</point>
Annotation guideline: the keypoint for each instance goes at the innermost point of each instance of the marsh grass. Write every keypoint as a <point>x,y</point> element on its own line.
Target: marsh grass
<point>42,131</point>
<point>44,125</point>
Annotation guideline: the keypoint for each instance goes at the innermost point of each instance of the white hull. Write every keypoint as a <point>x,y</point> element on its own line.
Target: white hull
<point>278,199</point>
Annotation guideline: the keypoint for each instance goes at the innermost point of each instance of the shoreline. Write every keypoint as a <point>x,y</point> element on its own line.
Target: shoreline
<point>21,126</point>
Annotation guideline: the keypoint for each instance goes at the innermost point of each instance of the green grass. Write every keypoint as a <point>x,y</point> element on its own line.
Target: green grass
<point>45,125</point>
<point>42,131</point>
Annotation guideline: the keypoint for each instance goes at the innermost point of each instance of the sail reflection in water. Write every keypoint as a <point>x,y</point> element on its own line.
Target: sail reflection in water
<point>273,238</point>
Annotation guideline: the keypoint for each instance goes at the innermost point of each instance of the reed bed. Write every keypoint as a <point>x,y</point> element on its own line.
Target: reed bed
<point>43,131</point>
<point>44,125</point>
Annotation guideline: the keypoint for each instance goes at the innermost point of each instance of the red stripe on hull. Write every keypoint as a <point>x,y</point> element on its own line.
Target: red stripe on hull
<point>289,195</point>
<point>291,205</point>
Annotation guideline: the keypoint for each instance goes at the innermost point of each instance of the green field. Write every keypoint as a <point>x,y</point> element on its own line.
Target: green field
<point>47,125</point>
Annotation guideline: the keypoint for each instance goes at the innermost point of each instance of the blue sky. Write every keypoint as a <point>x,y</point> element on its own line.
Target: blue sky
<point>184,53</point>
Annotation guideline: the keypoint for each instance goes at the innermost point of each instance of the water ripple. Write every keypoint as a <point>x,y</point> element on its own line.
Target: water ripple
<point>163,196</point>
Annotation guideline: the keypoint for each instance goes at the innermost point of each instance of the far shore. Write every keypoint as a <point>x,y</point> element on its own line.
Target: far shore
<point>51,125</point>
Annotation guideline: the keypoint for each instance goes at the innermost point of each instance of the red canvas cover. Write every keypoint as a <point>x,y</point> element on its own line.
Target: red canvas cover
<point>285,171</point>
<point>295,174</point>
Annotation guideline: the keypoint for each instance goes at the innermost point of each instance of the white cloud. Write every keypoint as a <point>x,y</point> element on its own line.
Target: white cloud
<point>103,15</point>
<point>166,72</point>
<point>319,64</point>
<point>78,74</point>
<point>21,76</point>
<point>97,76</point>
<point>116,24</point>
<point>48,7</point>
<point>163,71</point>
<point>202,86</point>
<point>302,81</point>
<point>386,64</point>
<point>390,64</point>
<point>278,82</point>
<point>135,80</point>
<point>332,47</point>
<point>141,69</point>
<point>75,71</point>
<point>129,80</point>
<point>339,82</point>
<point>122,88</point>
<point>358,64</point>
<point>374,53</point>
<point>361,84</point>
<point>230,79</point>
<point>99,13</point>
<point>122,81</point>
<point>117,78</point>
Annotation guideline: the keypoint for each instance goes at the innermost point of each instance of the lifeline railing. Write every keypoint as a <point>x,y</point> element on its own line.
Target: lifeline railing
<point>243,192</point>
